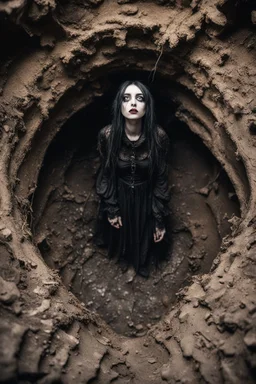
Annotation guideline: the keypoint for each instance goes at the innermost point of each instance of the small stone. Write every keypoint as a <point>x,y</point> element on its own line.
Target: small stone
<point>105,341</point>
<point>187,345</point>
<point>129,10</point>
<point>139,327</point>
<point>216,17</point>
<point>8,291</point>
<point>7,234</point>
<point>87,254</point>
<point>33,265</point>
<point>204,191</point>
<point>183,316</point>
<point>151,360</point>
<point>196,304</point>
<point>250,339</point>
<point>16,307</point>
<point>6,128</point>
<point>238,108</point>
<point>165,300</point>
<point>125,351</point>
<point>130,275</point>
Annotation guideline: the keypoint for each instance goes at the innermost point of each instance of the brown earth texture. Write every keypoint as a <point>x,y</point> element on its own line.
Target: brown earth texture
<point>68,313</point>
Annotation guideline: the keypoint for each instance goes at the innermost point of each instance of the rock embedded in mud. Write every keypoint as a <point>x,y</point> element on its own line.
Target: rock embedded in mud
<point>151,360</point>
<point>165,301</point>
<point>129,10</point>
<point>8,291</point>
<point>6,234</point>
<point>187,345</point>
<point>6,128</point>
<point>139,327</point>
<point>250,339</point>
<point>87,254</point>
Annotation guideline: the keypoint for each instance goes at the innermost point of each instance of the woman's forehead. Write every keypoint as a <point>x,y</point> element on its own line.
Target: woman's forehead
<point>133,89</point>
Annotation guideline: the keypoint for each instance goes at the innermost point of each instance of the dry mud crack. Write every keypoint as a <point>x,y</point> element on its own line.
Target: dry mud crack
<point>68,314</point>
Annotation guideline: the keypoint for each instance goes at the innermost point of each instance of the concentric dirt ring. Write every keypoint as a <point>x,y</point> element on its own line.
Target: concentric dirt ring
<point>209,334</point>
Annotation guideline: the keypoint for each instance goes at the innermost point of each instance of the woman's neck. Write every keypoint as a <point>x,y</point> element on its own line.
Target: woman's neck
<point>133,128</point>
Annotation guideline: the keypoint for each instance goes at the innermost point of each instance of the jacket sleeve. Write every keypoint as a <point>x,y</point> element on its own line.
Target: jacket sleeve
<point>106,181</point>
<point>161,195</point>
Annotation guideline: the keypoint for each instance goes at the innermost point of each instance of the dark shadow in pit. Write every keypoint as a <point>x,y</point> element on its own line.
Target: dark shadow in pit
<point>65,207</point>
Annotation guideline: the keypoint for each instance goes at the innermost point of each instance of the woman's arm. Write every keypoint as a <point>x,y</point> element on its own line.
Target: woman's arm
<point>106,182</point>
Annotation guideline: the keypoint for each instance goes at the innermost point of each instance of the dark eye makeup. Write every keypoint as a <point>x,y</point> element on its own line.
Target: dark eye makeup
<point>139,97</point>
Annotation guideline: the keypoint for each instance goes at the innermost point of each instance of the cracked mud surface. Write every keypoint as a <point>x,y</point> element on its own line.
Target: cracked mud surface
<point>63,60</point>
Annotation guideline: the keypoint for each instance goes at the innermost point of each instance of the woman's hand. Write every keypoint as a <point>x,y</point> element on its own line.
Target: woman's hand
<point>159,235</point>
<point>116,222</point>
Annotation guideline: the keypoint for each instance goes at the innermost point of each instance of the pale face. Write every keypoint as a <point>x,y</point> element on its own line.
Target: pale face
<point>133,104</point>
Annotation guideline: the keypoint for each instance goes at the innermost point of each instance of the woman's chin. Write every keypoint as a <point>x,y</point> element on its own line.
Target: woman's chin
<point>133,117</point>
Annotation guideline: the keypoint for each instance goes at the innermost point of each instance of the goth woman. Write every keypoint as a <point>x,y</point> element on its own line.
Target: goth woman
<point>133,181</point>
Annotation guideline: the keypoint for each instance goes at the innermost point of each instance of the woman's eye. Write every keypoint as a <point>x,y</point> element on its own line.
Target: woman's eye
<point>140,98</point>
<point>125,98</point>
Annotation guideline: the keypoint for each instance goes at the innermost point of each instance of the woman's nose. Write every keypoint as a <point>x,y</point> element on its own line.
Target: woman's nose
<point>133,102</point>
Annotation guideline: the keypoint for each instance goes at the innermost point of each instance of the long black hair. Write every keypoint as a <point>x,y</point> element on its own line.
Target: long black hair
<point>149,126</point>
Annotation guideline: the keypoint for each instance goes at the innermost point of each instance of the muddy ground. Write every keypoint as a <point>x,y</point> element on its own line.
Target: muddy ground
<point>65,208</point>
<point>68,314</point>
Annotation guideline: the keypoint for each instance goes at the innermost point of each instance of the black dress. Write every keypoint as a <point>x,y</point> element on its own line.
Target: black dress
<point>129,193</point>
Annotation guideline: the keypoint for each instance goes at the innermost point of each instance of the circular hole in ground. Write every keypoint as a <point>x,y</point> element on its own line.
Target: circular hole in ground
<point>65,208</point>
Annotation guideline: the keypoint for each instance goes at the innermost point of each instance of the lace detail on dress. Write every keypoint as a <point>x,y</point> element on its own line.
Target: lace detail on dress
<point>129,148</point>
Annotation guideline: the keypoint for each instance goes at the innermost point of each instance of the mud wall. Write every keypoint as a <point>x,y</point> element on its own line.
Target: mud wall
<point>58,60</point>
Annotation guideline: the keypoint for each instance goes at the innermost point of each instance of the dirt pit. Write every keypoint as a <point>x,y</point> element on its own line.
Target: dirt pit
<point>65,208</point>
<point>60,69</point>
